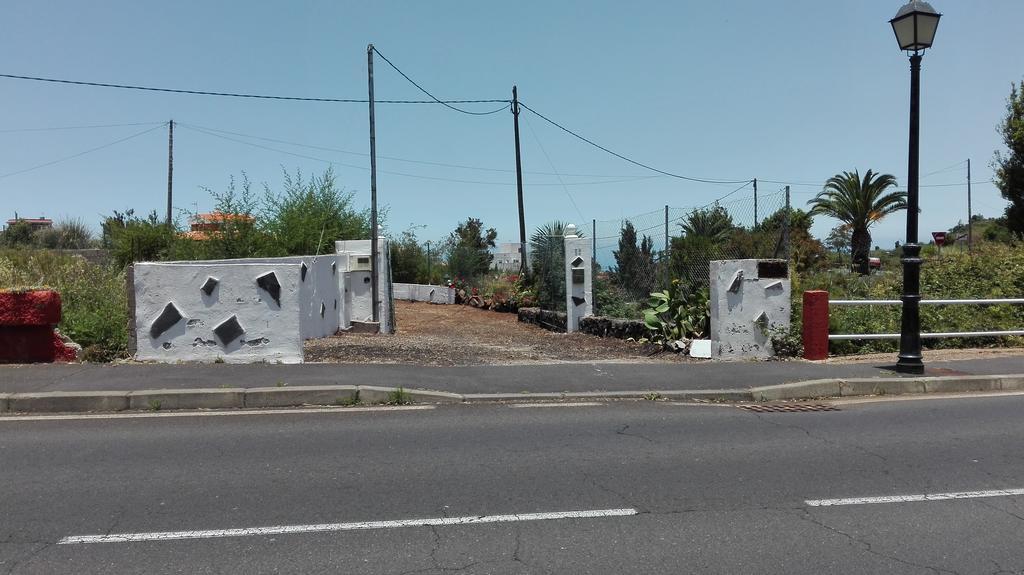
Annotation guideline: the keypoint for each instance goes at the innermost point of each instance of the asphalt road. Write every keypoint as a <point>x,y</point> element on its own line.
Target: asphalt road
<point>715,489</point>
<point>595,376</point>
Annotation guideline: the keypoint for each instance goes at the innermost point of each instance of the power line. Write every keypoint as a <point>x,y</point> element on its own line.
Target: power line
<point>241,95</point>
<point>115,142</point>
<point>434,98</point>
<point>395,159</point>
<point>552,164</point>
<point>621,157</point>
<point>394,173</point>
<point>56,128</point>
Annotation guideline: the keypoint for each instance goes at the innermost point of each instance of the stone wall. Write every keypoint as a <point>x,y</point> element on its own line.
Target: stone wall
<point>593,325</point>
<point>613,327</point>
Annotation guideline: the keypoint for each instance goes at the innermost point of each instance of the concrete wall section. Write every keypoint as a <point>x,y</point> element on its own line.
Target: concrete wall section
<point>201,311</point>
<point>749,298</point>
<point>425,293</point>
<point>322,283</point>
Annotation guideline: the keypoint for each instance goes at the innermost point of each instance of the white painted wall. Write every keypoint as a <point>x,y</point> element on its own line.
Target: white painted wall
<point>272,332</point>
<point>577,247</point>
<point>738,298</point>
<point>425,293</point>
<point>323,284</point>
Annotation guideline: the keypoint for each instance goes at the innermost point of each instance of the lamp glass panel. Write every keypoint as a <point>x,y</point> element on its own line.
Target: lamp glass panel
<point>926,26</point>
<point>904,28</point>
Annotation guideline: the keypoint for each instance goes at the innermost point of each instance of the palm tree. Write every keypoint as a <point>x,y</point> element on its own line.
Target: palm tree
<point>547,263</point>
<point>714,224</point>
<point>859,204</point>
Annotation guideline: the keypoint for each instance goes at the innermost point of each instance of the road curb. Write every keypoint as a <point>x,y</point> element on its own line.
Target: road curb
<point>847,387</point>
<point>334,395</point>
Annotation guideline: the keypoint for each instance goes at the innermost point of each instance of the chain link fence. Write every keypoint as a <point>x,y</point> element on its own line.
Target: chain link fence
<point>643,253</point>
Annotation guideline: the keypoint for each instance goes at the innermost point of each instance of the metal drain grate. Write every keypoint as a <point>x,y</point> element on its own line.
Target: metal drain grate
<point>789,407</point>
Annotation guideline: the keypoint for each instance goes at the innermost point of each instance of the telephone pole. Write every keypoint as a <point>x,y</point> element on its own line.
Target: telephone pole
<point>664,253</point>
<point>524,268</point>
<point>755,202</point>
<point>170,169</point>
<point>374,285</point>
<point>785,229</point>
<point>970,213</point>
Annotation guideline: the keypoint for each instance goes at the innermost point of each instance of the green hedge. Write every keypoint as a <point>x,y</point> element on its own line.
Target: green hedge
<point>993,271</point>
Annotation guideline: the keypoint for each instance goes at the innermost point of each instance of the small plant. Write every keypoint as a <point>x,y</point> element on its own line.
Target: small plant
<point>348,401</point>
<point>281,383</point>
<point>786,342</point>
<point>675,315</point>
<point>219,359</point>
<point>154,404</point>
<point>399,397</point>
<point>652,396</point>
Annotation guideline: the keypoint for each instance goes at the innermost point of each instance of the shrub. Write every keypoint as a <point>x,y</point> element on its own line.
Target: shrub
<point>994,271</point>
<point>93,298</point>
<point>677,313</point>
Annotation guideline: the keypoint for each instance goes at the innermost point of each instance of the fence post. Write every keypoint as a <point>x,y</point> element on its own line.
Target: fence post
<point>815,325</point>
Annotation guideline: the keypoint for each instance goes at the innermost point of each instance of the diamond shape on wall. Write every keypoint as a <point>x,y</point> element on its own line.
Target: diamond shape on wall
<point>323,308</point>
<point>165,321</point>
<point>303,270</point>
<point>269,283</point>
<point>578,300</point>
<point>577,262</point>
<point>209,285</point>
<point>228,330</point>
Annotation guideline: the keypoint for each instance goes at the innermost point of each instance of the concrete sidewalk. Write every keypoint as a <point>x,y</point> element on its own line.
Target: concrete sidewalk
<point>550,378</point>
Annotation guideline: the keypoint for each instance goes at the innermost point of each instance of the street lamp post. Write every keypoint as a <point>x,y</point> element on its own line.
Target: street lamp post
<point>915,26</point>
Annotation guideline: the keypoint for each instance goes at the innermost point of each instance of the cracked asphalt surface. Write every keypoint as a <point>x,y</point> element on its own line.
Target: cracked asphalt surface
<point>717,489</point>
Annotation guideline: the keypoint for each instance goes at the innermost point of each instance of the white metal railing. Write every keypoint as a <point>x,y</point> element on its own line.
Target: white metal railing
<point>932,335</point>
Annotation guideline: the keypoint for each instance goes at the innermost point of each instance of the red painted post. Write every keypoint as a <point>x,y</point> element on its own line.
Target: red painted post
<point>815,328</point>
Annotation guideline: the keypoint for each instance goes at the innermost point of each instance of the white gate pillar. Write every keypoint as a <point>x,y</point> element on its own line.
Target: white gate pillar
<point>579,270</point>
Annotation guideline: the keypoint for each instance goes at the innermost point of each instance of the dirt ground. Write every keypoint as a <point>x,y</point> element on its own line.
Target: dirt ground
<point>449,335</point>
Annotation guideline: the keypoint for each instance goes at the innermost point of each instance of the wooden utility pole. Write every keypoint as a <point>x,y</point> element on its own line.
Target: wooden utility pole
<point>523,267</point>
<point>755,202</point>
<point>170,169</point>
<point>785,229</point>
<point>970,213</point>
<point>374,280</point>
<point>664,254</point>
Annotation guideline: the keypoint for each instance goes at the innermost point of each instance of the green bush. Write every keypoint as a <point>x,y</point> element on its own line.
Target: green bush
<point>995,271</point>
<point>93,297</point>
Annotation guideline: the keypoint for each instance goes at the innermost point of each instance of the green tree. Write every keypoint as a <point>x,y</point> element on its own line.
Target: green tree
<point>132,239</point>
<point>714,224</point>
<point>18,234</point>
<point>307,216</point>
<point>1009,167</point>
<point>859,203</point>
<point>469,247</point>
<point>635,271</point>
<point>408,260</point>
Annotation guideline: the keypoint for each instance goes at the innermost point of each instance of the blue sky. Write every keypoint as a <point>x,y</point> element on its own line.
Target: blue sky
<point>789,91</point>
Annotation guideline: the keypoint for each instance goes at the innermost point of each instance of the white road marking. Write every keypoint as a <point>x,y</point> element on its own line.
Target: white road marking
<point>923,397</point>
<point>913,498</point>
<point>267,411</point>
<point>330,527</point>
<point>568,404</point>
